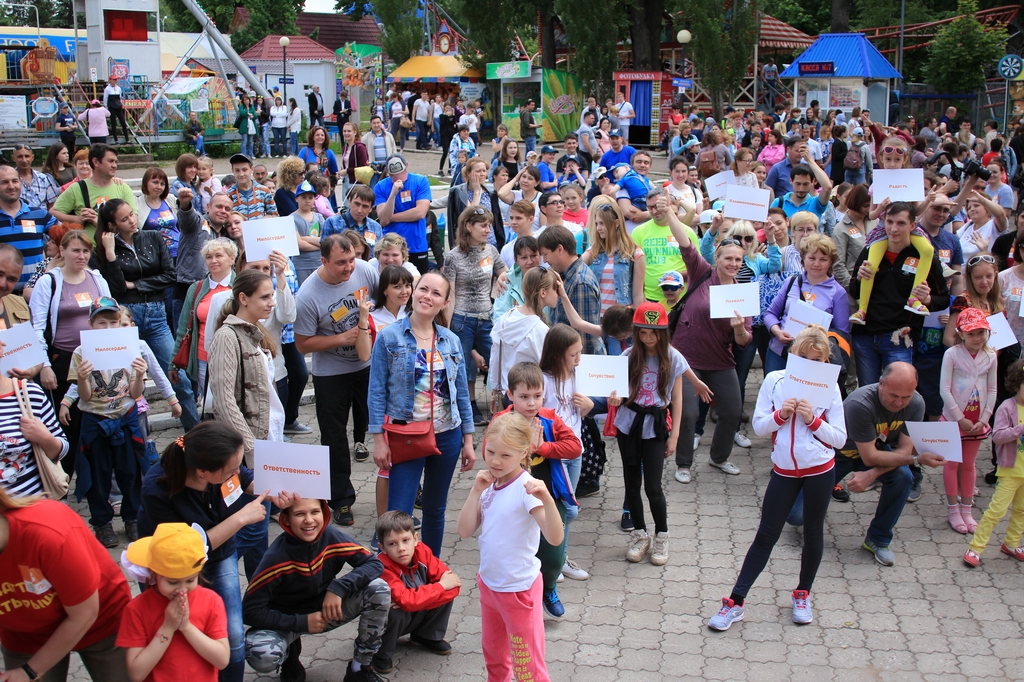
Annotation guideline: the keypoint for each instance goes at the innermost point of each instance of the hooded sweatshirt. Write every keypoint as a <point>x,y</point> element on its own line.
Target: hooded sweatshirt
<point>515,338</point>
<point>416,587</point>
<point>294,576</point>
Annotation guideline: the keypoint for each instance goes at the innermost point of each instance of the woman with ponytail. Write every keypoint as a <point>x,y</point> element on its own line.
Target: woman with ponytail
<point>200,479</point>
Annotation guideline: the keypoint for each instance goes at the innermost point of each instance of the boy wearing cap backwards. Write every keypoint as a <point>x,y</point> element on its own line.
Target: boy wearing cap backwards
<point>251,199</point>
<point>297,589</point>
<point>308,225</point>
<point>111,440</point>
<point>403,200</point>
<point>179,629</point>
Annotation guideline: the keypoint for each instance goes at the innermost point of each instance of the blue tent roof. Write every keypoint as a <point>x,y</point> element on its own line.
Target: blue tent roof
<point>853,55</point>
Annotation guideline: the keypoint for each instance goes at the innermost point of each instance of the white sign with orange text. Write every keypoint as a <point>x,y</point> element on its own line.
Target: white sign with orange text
<point>746,203</point>
<point>269,234</point>
<point>110,349</point>
<point>808,380</point>
<point>938,438</point>
<point>728,299</point>
<point>599,375</point>
<point>295,467</point>
<point>1002,335</point>
<point>717,184</point>
<point>21,349</point>
<point>801,314</point>
<point>905,184</point>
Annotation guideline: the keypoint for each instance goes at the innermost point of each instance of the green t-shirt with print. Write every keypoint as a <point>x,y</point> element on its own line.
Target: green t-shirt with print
<point>661,255</point>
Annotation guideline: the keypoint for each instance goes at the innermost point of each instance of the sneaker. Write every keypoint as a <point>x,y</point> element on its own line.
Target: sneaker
<point>292,670</point>
<point>416,523</point>
<point>741,440</point>
<point>840,494</point>
<point>683,475</point>
<point>375,544</point>
<point>478,417</point>
<point>696,441</point>
<point>802,607</point>
<point>659,549</point>
<point>639,546</point>
<point>573,570</point>
<point>915,490</point>
<point>343,516</point>
<point>627,521</point>
<point>107,536</point>
<point>297,427</point>
<point>727,467</point>
<point>360,452</point>
<point>131,529</point>
<point>560,578</point>
<point>883,555</point>
<point>726,616</point>
<point>972,558</point>
<point>1017,552</point>
<point>553,605</point>
<point>859,317</point>
<point>437,646</point>
<point>586,490</point>
<point>366,674</point>
<point>382,665</point>
<point>914,305</point>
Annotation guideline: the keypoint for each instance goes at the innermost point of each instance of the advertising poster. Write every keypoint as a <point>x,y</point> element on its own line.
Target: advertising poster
<point>13,112</point>
<point>563,99</point>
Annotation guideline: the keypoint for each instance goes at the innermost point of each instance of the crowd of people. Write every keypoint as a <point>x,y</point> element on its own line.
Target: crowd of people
<point>547,260</point>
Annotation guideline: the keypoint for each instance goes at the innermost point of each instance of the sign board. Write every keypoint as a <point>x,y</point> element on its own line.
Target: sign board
<point>817,68</point>
<point>21,349</point>
<point>682,82</point>
<point>269,234</point>
<point>725,300</point>
<point>110,349</point>
<point>938,438</point>
<point>812,381</point>
<point>500,70</point>
<point>905,184</point>
<point>13,112</point>
<point>297,468</point>
<point>637,75</point>
<point>289,81</point>
<point>600,375</point>
<point>746,203</point>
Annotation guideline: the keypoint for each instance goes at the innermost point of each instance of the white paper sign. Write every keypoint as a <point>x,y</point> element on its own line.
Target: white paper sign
<point>295,467</point>
<point>599,375</point>
<point>801,314</point>
<point>812,381</point>
<point>746,203</point>
<point>1001,336</point>
<point>269,234</point>
<point>109,349</point>
<point>21,350</point>
<point>932,321</point>
<point>728,299</point>
<point>906,184</point>
<point>938,438</point>
<point>717,183</point>
<point>199,105</point>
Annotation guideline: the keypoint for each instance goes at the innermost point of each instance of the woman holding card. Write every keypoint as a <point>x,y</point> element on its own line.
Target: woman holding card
<point>60,312</point>
<point>817,287</point>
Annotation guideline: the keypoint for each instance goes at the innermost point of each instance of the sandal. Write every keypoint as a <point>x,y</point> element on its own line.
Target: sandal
<point>972,558</point>
<point>968,517</point>
<point>914,305</point>
<point>956,522</point>
<point>859,317</point>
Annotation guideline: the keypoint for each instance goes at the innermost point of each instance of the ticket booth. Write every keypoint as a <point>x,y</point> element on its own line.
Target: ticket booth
<point>651,94</point>
<point>558,95</point>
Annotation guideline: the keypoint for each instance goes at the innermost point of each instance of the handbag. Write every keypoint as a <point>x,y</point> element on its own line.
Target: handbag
<point>407,123</point>
<point>56,482</point>
<point>413,440</point>
<point>181,358</point>
<point>252,127</point>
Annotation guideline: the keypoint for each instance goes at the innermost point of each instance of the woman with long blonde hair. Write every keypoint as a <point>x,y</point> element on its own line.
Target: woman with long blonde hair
<point>615,259</point>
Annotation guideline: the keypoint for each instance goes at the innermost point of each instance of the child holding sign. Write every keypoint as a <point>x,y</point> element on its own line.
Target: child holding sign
<point>968,388</point>
<point>804,439</point>
<point>111,440</point>
<point>1008,436</point>
<point>895,155</point>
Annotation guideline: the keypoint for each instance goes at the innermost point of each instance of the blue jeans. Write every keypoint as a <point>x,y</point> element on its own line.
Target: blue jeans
<point>223,577</point>
<point>151,319</point>
<point>422,135</point>
<point>437,133</point>
<point>773,362</point>
<point>293,140</point>
<point>895,489</point>
<point>873,353</point>
<point>573,467</point>
<point>856,177</point>
<point>437,473</point>
<point>251,542</point>
<point>246,145</point>
<point>531,143</point>
<point>474,333</point>
<point>265,138</point>
<point>290,389</point>
<point>200,147</point>
<point>279,141</point>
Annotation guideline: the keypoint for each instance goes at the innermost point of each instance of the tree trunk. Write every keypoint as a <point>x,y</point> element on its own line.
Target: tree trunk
<point>645,23</point>
<point>547,27</point>
<point>841,16</point>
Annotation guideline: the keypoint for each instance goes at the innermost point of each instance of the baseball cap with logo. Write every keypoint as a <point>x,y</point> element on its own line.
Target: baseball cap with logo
<point>547,149</point>
<point>304,188</point>
<point>600,172</point>
<point>103,304</point>
<point>175,551</point>
<point>614,132</point>
<point>650,316</point>
<point>396,164</point>
<point>671,279</point>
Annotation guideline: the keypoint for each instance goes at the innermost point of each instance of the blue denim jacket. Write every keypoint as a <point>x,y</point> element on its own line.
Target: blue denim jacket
<point>393,371</point>
<point>622,273</point>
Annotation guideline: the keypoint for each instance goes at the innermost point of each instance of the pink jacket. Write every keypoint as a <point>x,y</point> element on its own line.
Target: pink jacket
<point>961,374</point>
<point>1006,434</point>
<point>772,154</point>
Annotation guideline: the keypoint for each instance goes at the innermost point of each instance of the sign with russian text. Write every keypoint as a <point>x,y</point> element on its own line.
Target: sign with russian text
<point>599,375</point>
<point>905,184</point>
<point>728,299</point>
<point>808,380</point>
<point>718,182</point>
<point>295,467</point>
<point>269,234</point>
<point>746,203</point>
<point>21,349</point>
<point>111,349</point>
<point>938,438</point>
<point>816,68</point>
<point>801,314</point>
<point>1002,335</point>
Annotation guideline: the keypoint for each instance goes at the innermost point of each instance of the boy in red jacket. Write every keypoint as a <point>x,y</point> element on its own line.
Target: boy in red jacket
<point>422,590</point>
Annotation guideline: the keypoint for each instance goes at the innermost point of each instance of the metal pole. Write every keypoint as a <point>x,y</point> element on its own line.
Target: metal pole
<point>284,72</point>
<point>899,53</point>
<point>1006,109</point>
<point>218,38</point>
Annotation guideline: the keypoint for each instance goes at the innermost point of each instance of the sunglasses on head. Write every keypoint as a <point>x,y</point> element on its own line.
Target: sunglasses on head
<point>983,258</point>
<point>900,151</point>
<point>730,242</point>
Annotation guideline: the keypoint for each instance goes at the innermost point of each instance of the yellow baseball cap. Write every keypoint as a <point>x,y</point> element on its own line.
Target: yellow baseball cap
<point>175,551</point>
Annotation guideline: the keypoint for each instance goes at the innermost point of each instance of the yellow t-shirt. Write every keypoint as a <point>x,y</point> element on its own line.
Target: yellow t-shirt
<point>1017,471</point>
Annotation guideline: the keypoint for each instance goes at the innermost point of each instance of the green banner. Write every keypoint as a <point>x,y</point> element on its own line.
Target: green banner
<point>499,70</point>
<point>563,98</point>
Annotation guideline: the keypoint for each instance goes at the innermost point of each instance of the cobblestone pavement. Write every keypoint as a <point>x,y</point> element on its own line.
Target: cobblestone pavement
<point>927,618</point>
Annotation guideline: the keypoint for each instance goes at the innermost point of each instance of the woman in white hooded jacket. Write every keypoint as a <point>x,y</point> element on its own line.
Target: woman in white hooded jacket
<point>803,458</point>
<point>518,335</point>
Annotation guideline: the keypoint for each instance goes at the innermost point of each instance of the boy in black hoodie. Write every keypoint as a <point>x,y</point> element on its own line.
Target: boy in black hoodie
<point>297,590</point>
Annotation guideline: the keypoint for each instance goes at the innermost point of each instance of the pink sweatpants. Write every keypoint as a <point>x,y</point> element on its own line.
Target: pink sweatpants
<point>958,478</point>
<point>512,631</point>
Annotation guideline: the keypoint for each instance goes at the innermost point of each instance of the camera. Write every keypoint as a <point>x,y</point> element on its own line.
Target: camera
<point>957,171</point>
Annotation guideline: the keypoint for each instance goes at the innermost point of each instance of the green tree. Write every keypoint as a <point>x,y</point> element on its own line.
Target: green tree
<point>594,29</point>
<point>962,51</point>
<point>266,17</point>
<point>52,14</point>
<point>722,47</point>
<point>402,36</point>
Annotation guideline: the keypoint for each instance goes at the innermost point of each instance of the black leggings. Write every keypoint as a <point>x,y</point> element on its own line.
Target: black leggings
<point>778,500</point>
<point>647,470</point>
<point>115,116</point>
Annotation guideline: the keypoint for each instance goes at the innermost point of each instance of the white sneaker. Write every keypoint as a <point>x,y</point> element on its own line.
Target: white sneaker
<point>726,616</point>
<point>802,607</point>
<point>561,578</point>
<point>683,475</point>
<point>659,552</point>
<point>573,570</point>
<point>727,467</point>
<point>741,440</point>
<point>639,546</point>
<point>696,441</point>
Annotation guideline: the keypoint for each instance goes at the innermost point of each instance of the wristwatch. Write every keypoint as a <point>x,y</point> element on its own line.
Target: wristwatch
<point>915,460</point>
<point>32,676</point>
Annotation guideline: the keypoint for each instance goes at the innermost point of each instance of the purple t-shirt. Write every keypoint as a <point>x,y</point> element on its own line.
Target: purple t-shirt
<point>73,312</point>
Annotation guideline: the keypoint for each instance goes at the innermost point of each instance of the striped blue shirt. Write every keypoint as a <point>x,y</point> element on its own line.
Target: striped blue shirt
<point>25,230</point>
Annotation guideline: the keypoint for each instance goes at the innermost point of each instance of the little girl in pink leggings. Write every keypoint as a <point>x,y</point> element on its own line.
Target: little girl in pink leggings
<point>968,388</point>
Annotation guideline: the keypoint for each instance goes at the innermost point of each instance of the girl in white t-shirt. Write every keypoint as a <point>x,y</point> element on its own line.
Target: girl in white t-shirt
<point>511,509</point>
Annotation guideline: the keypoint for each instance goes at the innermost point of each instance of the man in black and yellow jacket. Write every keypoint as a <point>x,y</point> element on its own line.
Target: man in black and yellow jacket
<point>297,589</point>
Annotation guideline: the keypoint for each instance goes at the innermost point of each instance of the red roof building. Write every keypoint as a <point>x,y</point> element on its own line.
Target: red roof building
<point>300,48</point>
<point>337,29</point>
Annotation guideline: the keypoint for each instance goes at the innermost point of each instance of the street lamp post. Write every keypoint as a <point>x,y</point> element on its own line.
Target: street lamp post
<point>284,42</point>
<point>683,37</point>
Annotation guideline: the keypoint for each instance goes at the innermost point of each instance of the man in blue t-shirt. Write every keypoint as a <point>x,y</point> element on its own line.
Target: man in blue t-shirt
<point>802,198</point>
<point>403,200</point>
<point>66,125</point>
<point>619,153</point>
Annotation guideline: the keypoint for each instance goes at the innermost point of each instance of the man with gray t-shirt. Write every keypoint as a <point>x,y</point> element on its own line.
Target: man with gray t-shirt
<point>327,325</point>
